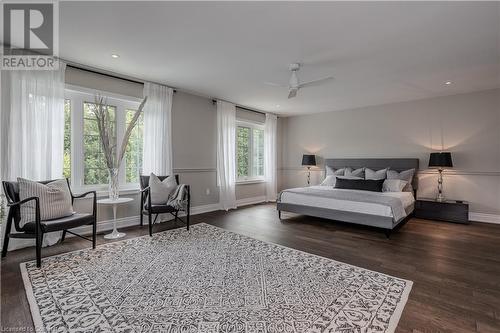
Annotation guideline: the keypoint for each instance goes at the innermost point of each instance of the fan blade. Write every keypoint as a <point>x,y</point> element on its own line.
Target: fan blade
<point>314,82</point>
<point>292,93</point>
<point>276,84</point>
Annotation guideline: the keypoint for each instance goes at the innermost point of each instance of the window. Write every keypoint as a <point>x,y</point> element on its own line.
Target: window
<point>67,139</point>
<point>133,154</point>
<point>84,161</point>
<point>249,152</point>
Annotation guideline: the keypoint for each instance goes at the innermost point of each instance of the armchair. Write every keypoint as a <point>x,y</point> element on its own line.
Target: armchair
<point>37,228</point>
<point>148,209</point>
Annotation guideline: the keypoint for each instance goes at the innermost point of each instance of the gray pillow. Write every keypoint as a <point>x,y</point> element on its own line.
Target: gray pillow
<point>160,190</point>
<point>406,175</point>
<point>337,172</point>
<point>355,173</point>
<point>394,185</point>
<point>376,175</point>
<point>54,198</point>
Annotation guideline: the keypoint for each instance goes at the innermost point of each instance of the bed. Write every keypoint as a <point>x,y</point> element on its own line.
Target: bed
<point>385,210</point>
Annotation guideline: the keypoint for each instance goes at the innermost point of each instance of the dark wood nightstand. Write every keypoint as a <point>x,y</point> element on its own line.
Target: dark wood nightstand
<point>449,210</point>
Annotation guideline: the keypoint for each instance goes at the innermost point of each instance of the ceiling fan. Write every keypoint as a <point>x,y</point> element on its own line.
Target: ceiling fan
<point>294,85</point>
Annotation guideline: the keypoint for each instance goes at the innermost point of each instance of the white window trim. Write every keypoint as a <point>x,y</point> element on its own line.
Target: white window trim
<point>250,179</point>
<point>77,96</point>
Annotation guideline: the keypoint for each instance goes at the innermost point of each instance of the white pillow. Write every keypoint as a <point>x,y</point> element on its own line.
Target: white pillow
<point>329,181</point>
<point>394,185</point>
<point>332,179</point>
<point>54,199</point>
<point>355,173</point>
<point>406,175</point>
<point>376,175</point>
<point>160,190</point>
<point>337,172</point>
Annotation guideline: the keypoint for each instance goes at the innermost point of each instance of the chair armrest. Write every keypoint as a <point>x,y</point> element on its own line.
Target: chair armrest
<point>37,209</point>
<point>84,195</point>
<point>19,203</point>
<point>94,201</point>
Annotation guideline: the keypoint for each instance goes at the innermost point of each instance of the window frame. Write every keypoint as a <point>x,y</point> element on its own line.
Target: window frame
<point>77,96</point>
<point>252,125</point>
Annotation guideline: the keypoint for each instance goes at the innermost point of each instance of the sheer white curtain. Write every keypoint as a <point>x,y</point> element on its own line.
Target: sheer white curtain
<point>32,129</point>
<point>226,154</point>
<point>157,149</point>
<point>270,129</point>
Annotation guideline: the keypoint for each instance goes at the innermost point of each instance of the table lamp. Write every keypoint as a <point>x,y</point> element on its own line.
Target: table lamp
<point>309,161</point>
<point>440,161</point>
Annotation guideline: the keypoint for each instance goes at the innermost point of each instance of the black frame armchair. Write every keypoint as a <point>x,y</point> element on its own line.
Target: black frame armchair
<point>148,209</point>
<point>36,229</point>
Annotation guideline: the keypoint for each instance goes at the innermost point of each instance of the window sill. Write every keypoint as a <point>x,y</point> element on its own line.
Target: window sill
<point>250,181</point>
<point>104,193</point>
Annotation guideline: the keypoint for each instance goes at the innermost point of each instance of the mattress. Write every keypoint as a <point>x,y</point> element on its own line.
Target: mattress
<point>303,199</point>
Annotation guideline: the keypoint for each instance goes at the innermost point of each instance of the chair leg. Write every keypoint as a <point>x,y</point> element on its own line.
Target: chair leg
<point>6,237</point>
<point>187,220</point>
<point>94,233</point>
<point>150,225</point>
<point>279,214</point>
<point>63,236</point>
<point>142,218</point>
<point>39,238</point>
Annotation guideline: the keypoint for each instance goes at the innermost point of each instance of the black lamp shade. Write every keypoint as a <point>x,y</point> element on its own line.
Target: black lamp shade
<point>440,160</point>
<point>309,160</point>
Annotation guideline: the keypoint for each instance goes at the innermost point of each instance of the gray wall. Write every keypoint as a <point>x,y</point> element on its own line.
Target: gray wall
<point>469,124</point>
<point>194,131</point>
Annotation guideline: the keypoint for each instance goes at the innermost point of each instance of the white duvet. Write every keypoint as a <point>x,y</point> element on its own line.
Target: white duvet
<point>406,198</point>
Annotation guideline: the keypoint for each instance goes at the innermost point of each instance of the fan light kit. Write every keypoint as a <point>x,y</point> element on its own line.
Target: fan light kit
<point>294,84</point>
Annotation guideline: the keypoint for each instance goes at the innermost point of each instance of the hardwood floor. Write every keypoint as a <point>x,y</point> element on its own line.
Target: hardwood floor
<point>455,268</point>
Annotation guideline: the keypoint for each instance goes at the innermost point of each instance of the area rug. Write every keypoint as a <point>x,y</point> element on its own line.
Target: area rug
<point>208,280</point>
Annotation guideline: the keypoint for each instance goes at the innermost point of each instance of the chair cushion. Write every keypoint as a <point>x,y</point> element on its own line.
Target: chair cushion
<point>67,222</point>
<point>159,209</point>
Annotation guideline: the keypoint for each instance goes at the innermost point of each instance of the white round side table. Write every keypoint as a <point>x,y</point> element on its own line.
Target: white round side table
<point>115,234</point>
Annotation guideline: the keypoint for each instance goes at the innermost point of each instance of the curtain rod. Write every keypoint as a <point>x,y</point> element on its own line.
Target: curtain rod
<point>98,72</point>
<point>134,80</point>
<point>214,101</point>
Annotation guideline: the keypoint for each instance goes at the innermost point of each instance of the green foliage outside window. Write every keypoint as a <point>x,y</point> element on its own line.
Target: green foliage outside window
<point>243,151</point>
<point>133,154</point>
<point>249,152</point>
<point>67,139</point>
<point>94,165</point>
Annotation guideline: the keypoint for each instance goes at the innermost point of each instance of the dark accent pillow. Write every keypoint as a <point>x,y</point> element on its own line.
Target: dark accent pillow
<point>360,184</point>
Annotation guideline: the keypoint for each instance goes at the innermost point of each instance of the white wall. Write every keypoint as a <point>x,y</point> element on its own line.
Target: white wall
<point>469,124</point>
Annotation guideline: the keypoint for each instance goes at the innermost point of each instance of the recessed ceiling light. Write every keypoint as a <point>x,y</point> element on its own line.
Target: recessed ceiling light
<point>447,83</point>
<point>115,56</point>
<point>277,105</point>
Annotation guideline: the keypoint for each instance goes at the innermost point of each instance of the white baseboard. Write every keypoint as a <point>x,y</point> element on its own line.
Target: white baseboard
<point>250,201</point>
<point>481,217</point>
<point>135,220</point>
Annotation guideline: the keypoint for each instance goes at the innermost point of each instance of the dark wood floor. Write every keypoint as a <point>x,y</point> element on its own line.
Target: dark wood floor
<point>455,268</point>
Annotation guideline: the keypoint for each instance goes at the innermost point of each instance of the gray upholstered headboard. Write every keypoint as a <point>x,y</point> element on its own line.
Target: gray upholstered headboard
<point>398,164</point>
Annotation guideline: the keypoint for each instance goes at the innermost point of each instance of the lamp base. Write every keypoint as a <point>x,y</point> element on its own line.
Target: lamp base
<point>440,198</point>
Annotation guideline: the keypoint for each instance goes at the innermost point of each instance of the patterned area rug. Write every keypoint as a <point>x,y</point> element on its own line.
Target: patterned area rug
<point>208,280</point>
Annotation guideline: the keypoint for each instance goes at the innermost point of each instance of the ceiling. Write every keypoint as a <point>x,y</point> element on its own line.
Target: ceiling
<point>378,52</point>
